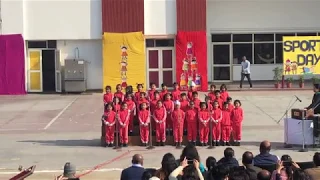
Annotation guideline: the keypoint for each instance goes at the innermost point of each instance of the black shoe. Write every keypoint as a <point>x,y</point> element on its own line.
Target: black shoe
<point>163,144</point>
<point>238,144</point>
<point>217,144</point>
<point>130,133</point>
<point>158,144</point>
<point>194,143</point>
<point>185,132</point>
<point>222,144</point>
<point>201,144</point>
<point>204,144</point>
<point>125,145</point>
<point>120,145</point>
<point>227,144</point>
<point>111,145</point>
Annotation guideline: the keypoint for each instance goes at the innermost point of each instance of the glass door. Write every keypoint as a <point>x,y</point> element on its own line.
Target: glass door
<point>222,62</point>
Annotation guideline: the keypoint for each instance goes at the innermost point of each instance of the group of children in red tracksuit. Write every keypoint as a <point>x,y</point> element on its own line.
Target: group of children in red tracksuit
<point>173,112</point>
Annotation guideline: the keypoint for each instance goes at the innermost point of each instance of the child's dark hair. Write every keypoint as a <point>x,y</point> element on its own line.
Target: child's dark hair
<point>139,85</point>
<point>215,101</point>
<point>212,86</point>
<point>229,98</point>
<point>159,101</point>
<point>175,84</point>
<point>194,93</point>
<point>217,91</point>
<point>237,101</point>
<point>207,98</point>
<point>106,106</point>
<point>203,103</point>
<point>129,95</point>
<point>156,92</point>
<point>108,87</point>
<point>129,90</point>
<point>143,93</point>
<point>152,83</point>
<point>223,86</point>
<point>225,103</point>
<point>123,103</point>
<point>163,85</point>
<point>183,94</point>
<point>140,106</point>
<point>118,85</point>
<point>165,96</point>
<point>114,100</point>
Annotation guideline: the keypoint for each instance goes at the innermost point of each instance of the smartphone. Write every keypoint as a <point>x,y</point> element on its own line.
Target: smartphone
<point>286,163</point>
<point>73,178</point>
<point>190,161</point>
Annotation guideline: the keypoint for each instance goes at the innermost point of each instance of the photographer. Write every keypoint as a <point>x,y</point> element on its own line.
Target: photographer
<point>69,172</point>
<point>285,169</point>
<point>187,171</point>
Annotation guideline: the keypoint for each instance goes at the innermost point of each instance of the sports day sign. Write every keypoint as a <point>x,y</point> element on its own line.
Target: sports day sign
<point>301,55</point>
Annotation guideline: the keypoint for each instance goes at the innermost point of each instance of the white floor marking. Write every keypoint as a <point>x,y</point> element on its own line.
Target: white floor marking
<point>13,129</point>
<point>59,171</point>
<point>60,113</point>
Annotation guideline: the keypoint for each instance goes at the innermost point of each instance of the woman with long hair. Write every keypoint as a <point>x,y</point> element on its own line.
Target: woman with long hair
<point>168,164</point>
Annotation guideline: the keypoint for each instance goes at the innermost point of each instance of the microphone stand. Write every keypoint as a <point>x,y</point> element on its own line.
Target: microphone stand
<point>150,130</point>
<point>290,105</point>
<point>303,137</point>
<point>211,133</point>
<point>117,133</point>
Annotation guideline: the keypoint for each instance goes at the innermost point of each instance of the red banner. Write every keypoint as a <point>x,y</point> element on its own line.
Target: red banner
<point>191,59</point>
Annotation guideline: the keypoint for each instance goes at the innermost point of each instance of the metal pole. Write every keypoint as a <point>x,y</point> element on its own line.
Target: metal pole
<point>211,133</point>
<point>287,145</point>
<point>117,132</point>
<point>303,137</point>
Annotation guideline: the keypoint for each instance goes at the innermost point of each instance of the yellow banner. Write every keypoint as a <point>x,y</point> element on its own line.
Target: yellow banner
<point>301,55</point>
<point>124,60</point>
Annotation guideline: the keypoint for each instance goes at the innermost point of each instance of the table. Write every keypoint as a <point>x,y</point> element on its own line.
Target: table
<point>293,131</point>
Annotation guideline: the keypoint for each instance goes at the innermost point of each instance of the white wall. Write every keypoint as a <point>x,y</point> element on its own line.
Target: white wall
<point>62,19</point>
<point>160,17</point>
<point>91,51</point>
<point>262,15</point>
<point>12,16</point>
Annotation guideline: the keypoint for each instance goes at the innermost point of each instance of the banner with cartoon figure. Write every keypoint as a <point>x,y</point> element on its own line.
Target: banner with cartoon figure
<point>301,55</point>
<point>123,59</point>
<point>191,60</point>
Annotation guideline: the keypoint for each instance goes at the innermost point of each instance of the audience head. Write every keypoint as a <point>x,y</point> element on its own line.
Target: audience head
<point>190,173</point>
<point>228,153</point>
<point>190,152</point>
<point>221,172</point>
<point>211,163</point>
<point>316,159</point>
<point>149,173</point>
<point>265,147</point>
<point>247,158</point>
<point>137,159</point>
<point>168,164</point>
<point>69,170</point>
<point>239,175</point>
<point>264,175</point>
<point>300,175</point>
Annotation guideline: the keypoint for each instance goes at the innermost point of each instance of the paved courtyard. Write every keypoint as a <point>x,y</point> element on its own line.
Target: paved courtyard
<point>49,130</point>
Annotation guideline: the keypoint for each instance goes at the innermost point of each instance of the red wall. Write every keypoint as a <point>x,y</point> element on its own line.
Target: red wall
<point>191,15</point>
<point>121,16</point>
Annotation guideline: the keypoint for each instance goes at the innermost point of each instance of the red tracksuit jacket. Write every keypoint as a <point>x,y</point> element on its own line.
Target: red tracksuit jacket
<point>230,107</point>
<point>124,117</point>
<point>107,98</point>
<point>131,105</point>
<point>220,101</point>
<point>212,96</point>
<point>176,115</point>
<point>224,95</point>
<point>163,93</point>
<point>175,95</point>
<point>150,94</point>
<point>217,114</point>
<point>237,115</point>
<point>184,105</point>
<point>144,116</point>
<point>204,115</point>
<point>190,97</point>
<point>169,105</point>
<point>117,107</point>
<point>160,114</point>
<point>191,115</point>
<point>143,101</point>
<point>197,103</point>
<point>153,105</point>
<point>226,119</point>
<point>110,118</point>
<point>119,95</point>
<point>137,95</point>
<point>210,107</point>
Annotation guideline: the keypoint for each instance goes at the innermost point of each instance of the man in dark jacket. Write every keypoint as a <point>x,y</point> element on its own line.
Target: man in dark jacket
<point>247,161</point>
<point>228,159</point>
<point>315,104</point>
<point>134,172</point>
<point>265,158</point>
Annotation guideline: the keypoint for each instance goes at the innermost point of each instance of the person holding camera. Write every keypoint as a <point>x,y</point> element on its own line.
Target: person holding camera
<point>187,171</point>
<point>285,168</point>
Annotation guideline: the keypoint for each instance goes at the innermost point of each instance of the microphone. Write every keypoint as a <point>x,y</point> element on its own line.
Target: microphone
<point>298,98</point>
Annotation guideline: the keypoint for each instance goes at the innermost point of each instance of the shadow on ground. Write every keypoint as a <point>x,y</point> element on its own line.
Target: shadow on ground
<point>72,143</point>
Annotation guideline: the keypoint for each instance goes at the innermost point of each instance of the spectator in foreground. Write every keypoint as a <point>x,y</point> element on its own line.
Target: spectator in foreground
<point>264,175</point>
<point>265,158</point>
<point>168,164</point>
<point>135,171</point>
<point>211,164</point>
<point>148,174</point>
<point>300,175</point>
<point>220,173</point>
<point>69,171</point>
<point>285,168</point>
<point>187,171</point>
<point>239,175</point>
<point>191,153</point>
<point>228,159</point>
<point>314,173</point>
<point>247,161</point>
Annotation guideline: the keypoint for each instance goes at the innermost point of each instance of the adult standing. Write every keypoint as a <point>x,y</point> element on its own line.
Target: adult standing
<point>245,71</point>
<point>134,172</point>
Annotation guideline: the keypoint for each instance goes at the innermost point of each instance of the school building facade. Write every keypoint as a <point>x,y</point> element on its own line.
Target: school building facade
<point>57,30</point>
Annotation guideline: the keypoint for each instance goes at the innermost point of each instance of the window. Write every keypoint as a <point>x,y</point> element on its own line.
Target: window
<point>264,53</point>
<point>164,43</point>
<point>240,50</point>
<point>150,43</point>
<point>221,37</point>
<point>279,53</point>
<point>37,44</point>
<point>263,37</point>
<point>280,36</point>
<point>242,38</point>
<point>52,44</point>
<point>307,34</point>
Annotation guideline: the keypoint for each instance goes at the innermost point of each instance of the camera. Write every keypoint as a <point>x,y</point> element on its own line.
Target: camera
<point>287,163</point>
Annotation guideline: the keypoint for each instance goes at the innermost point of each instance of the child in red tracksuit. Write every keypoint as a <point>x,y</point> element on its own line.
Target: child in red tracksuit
<point>153,106</point>
<point>212,93</point>
<point>218,98</point>
<point>236,119</point>
<point>142,99</point>
<point>169,105</point>
<point>119,92</point>
<point>184,105</point>
<point>204,118</point>
<point>164,90</point>
<point>176,92</point>
<point>191,90</point>
<point>123,119</point>
<point>160,116</point>
<point>192,121</point>
<point>116,104</point>
<point>208,101</point>
<point>177,117</point>
<point>196,100</point>
<point>153,88</point>
<point>139,90</point>
<point>131,106</point>
<point>216,119</point>
<point>223,92</point>
<point>230,104</point>
<point>144,120</point>
<point>226,124</point>
<point>109,120</point>
<point>108,96</point>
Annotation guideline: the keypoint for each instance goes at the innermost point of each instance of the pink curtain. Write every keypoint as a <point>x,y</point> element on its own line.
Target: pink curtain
<point>12,60</point>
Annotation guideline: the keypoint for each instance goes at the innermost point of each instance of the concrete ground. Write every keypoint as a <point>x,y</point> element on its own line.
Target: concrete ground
<point>49,130</point>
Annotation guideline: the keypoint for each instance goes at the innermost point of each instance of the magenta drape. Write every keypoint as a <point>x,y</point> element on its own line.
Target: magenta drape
<point>12,65</point>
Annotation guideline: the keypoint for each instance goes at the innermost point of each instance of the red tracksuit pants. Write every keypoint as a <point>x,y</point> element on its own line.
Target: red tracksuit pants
<point>192,131</point>
<point>109,134</point>
<point>216,132</point>
<point>131,119</point>
<point>161,132</point>
<point>204,133</point>
<point>123,132</point>
<point>144,134</point>
<point>178,132</point>
<point>237,131</point>
<point>169,122</point>
<point>226,132</point>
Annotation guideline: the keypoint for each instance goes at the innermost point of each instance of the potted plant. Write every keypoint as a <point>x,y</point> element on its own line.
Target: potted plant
<point>301,81</point>
<point>289,82</point>
<point>315,80</point>
<point>277,73</point>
